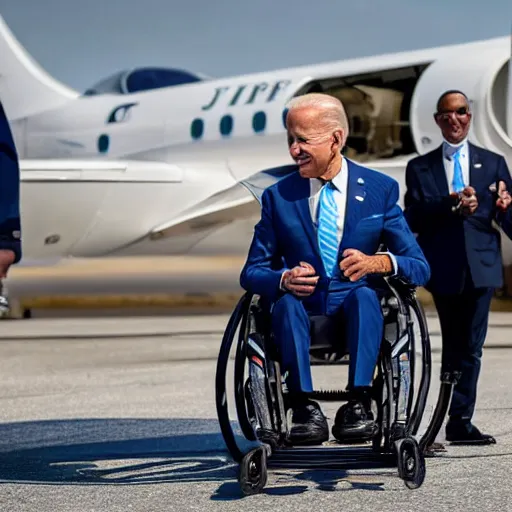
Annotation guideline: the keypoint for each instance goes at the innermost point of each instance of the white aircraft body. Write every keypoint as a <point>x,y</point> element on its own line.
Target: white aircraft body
<point>153,158</point>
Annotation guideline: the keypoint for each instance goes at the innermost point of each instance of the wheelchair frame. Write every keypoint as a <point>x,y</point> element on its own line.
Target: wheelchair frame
<point>396,443</point>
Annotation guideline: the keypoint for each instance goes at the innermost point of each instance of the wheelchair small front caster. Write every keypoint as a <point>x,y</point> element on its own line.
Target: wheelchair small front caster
<point>411,462</point>
<point>253,471</point>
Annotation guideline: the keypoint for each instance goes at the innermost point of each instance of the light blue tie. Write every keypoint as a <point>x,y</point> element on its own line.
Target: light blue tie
<point>327,228</point>
<point>458,180</point>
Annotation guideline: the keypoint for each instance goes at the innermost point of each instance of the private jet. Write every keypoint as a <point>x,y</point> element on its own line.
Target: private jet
<point>153,160</point>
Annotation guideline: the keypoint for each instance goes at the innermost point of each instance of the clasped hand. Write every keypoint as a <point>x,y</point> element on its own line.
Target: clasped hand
<point>504,199</point>
<point>468,202</point>
<point>302,281</point>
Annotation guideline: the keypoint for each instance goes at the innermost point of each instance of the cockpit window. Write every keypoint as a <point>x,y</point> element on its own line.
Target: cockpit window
<point>154,78</point>
<point>142,79</point>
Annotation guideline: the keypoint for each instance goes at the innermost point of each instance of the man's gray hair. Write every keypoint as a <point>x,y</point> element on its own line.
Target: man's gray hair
<point>334,112</point>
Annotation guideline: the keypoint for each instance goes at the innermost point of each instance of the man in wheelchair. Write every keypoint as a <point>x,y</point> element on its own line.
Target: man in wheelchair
<point>315,252</point>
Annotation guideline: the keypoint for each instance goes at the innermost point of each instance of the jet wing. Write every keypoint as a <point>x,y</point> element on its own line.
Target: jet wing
<point>93,208</point>
<point>239,202</point>
<point>223,208</point>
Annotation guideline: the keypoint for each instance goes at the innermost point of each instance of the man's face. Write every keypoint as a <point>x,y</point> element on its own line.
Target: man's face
<point>454,118</point>
<point>311,144</point>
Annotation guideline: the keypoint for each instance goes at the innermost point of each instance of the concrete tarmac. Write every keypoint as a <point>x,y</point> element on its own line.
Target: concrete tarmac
<point>119,414</point>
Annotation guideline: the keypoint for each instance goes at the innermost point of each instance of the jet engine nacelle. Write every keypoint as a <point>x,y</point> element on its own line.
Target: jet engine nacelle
<point>482,76</point>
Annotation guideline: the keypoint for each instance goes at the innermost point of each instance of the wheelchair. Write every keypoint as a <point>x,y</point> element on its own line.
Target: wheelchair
<point>399,392</point>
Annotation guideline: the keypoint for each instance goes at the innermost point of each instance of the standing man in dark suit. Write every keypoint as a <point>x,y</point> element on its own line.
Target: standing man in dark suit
<point>10,226</point>
<point>453,194</point>
<point>314,251</point>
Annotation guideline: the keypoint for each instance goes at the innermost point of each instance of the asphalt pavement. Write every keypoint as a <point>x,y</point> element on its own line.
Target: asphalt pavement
<point>119,414</point>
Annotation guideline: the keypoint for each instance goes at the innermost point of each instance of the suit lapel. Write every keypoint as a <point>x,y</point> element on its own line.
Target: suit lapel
<point>302,206</point>
<point>355,197</point>
<point>476,169</point>
<point>439,172</point>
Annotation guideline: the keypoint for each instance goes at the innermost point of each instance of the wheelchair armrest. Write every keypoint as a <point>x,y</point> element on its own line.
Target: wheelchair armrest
<point>401,285</point>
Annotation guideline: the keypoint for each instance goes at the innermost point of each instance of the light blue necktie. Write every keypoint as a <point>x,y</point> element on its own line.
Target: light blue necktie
<point>327,228</point>
<point>458,180</point>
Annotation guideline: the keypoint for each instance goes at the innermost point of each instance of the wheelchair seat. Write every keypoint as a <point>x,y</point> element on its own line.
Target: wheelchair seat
<point>328,339</point>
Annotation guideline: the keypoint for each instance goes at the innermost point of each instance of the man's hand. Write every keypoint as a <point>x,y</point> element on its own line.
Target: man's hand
<point>356,264</point>
<point>301,280</point>
<point>504,199</point>
<point>468,201</point>
<point>6,260</point>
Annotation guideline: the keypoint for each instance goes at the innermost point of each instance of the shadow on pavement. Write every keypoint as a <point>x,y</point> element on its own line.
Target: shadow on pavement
<point>113,451</point>
<point>139,451</point>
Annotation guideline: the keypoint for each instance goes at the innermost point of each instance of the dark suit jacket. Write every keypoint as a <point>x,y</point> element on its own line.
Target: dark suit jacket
<point>10,226</point>
<point>450,242</point>
<point>286,235</point>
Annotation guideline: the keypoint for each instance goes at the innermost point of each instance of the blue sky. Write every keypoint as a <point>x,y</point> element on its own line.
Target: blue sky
<point>80,42</point>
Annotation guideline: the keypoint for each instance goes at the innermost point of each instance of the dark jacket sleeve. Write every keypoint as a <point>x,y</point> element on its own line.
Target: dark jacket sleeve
<point>10,224</point>
<point>262,271</point>
<point>422,213</point>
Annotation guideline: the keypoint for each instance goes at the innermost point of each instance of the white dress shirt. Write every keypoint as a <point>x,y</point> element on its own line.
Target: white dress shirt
<point>448,151</point>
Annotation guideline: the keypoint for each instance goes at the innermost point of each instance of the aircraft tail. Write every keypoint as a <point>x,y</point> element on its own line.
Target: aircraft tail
<point>25,88</point>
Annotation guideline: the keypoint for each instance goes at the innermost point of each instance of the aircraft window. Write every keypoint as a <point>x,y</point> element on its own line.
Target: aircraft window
<point>103,143</point>
<point>226,125</point>
<point>259,122</point>
<point>142,79</point>
<point>110,85</point>
<point>197,128</point>
<point>154,78</point>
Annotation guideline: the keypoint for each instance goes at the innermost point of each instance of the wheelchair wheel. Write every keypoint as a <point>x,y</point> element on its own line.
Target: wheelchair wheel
<point>411,462</point>
<point>387,407</point>
<point>242,397</point>
<point>253,471</point>
<point>380,399</point>
<point>426,369</point>
<point>411,333</point>
<point>221,401</point>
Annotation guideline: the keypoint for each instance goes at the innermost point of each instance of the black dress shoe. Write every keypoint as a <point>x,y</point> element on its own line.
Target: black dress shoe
<point>354,422</point>
<point>309,425</point>
<point>467,434</point>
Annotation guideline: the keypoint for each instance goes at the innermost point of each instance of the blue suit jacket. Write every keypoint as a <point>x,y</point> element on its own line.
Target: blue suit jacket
<point>10,226</point>
<point>286,235</point>
<point>450,242</point>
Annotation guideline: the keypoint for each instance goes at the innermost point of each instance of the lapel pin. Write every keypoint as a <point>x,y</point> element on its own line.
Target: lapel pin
<point>360,198</point>
<point>360,181</point>
<point>477,166</point>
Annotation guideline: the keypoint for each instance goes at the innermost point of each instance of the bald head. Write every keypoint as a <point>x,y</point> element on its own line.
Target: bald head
<point>328,110</point>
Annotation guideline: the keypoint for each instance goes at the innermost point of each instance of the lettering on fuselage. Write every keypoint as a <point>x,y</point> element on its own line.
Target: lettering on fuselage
<point>247,94</point>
